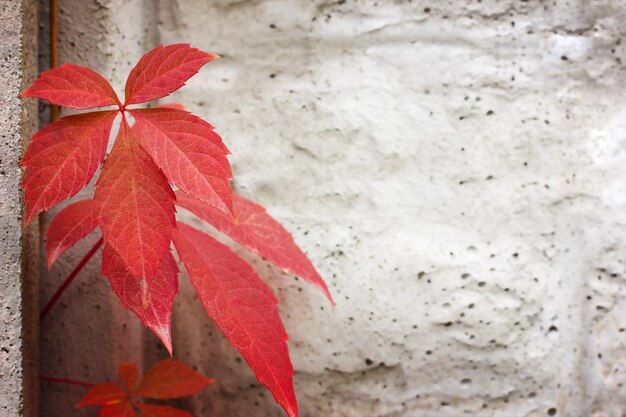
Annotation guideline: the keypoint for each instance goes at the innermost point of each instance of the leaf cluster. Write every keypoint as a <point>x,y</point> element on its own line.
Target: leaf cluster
<point>166,380</point>
<point>162,157</point>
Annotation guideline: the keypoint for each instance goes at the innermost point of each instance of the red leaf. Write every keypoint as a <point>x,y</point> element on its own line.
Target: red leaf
<point>171,379</point>
<point>259,232</point>
<point>62,158</point>
<point>191,155</point>
<point>129,374</point>
<point>243,307</point>
<point>166,379</point>
<point>73,86</point>
<point>151,300</point>
<point>175,106</point>
<point>163,71</point>
<point>152,410</point>
<point>103,394</point>
<point>134,206</point>
<point>69,226</point>
<point>124,409</point>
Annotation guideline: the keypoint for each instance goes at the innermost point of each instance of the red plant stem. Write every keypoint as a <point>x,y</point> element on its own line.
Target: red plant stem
<point>69,279</point>
<point>54,54</point>
<point>54,61</point>
<point>66,381</point>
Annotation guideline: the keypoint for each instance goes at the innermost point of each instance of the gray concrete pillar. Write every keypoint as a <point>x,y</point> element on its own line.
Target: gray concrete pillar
<point>19,354</point>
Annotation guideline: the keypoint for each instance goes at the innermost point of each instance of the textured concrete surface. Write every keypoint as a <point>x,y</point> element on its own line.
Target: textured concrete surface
<point>455,169</point>
<point>18,248</point>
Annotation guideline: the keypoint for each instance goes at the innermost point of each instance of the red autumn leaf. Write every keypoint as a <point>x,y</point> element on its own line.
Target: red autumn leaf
<point>152,410</point>
<point>62,158</point>
<point>259,232</point>
<point>134,206</point>
<point>243,307</point>
<point>151,300</point>
<point>103,394</point>
<point>69,226</point>
<point>129,374</point>
<point>175,106</point>
<point>73,86</point>
<point>190,153</point>
<point>171,379</point>
<point>124,409</point>
<point>162,71</point>
<point>166,379</point>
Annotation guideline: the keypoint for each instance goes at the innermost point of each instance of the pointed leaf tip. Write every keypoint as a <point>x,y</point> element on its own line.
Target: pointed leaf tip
<point>74,87</point>
<point>103,394</point>
<point>62,158</point>
<point>242,306</point>
<point>129,374</point>
<point>170,378</point>
<point>151,300</point>
<point>258,232</point>
<point>189,152</point>
<point>162,71</point>
<point>69,226</point>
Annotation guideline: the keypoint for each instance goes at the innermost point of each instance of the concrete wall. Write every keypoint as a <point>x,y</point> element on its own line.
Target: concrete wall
<point>19,354</point>
<point>456,170</point>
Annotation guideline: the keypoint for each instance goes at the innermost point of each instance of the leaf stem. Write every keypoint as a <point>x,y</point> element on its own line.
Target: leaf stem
<point>66,381</point>
<point>69,279</point>
<point>54,55</point>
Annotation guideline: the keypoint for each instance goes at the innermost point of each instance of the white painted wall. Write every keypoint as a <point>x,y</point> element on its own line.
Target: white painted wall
<point>457,172</point>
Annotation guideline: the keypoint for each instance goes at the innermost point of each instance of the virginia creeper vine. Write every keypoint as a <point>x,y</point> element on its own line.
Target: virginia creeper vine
<point>156,151</point>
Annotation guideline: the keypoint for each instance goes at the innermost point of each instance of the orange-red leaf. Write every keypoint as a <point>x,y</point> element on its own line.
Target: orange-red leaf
<point>103,394</point>
<point>73,86</point>
<point>129,374</point>
<point>175,106</point>
<point>69,226</point>
<point>190,153</point>
<point>134,206</point>
<point>171,379</point>
<point>166,379</point>
<point>243,307</point>
<point>259,232</point>
<point>62,158</point>
<point>163,70</point>
<point>124,409</point>
<point>151,300</point>
<point>152,410</point>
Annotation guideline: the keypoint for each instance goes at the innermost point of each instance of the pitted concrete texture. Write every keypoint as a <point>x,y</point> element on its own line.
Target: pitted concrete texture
<point>455,169</point>
<point>18,249</point>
